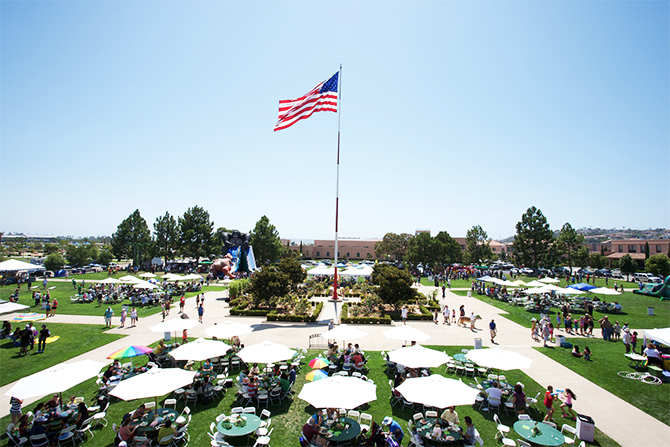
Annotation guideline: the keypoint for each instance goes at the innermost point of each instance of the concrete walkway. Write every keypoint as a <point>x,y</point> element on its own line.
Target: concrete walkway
<point>612,415</point>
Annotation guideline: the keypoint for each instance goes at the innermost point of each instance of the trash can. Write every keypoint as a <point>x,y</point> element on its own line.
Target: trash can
<point>469,293</point>
<point>166,336</point>
<point>560,339</point>
<point>478,343</point>
<point>650,311</point>
<point>585,427</point>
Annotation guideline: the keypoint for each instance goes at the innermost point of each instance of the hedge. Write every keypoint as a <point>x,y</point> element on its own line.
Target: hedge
<point>425,314</point>
<point>386,319</point>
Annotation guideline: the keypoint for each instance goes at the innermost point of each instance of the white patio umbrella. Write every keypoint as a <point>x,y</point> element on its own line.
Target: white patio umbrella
<point>145,285</point>
<point>265,352</point>
<point>109,281</point>
<point>169,275</point>
<point>406,332</point>
<point>519,283</point>
<point>437,391</point>
<point>535,284</point>
<point>153,383</point>
<point>548,280</point>
<point>604,291</point>
<point>417,356</point>
<point>200,349</point>
<point>228,329</point>
<point>338,392</point>
<point>147,275</point>
<point>130,279</point>
<point>56,379</point>
<point>175,278</point>
<point>497,358</point>
<point>571,291</point>
<point>174,325</point>
<point>537,290</point>
<point>191,277</point>
<point>343,332</point>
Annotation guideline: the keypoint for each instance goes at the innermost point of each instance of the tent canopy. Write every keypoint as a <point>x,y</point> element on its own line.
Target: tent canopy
<point>659,335</point>
<point>12,265</point>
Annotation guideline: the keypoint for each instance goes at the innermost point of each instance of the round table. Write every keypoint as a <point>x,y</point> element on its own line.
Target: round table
<point>253,422</point>
<point>343,435</point>
<point>548,435</point>
<point>424,427</point>
<point>461,358</point>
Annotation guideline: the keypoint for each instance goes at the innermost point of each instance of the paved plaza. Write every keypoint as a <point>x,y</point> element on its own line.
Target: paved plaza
<point>623,422</point>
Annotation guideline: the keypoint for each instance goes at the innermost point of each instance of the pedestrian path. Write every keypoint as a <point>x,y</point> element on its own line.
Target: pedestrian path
<point>623,422</point>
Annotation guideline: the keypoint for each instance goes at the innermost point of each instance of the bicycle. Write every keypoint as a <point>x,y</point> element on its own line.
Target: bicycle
<point>643,377</point>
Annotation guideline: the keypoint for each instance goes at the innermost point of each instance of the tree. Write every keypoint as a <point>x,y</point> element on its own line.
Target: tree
<point>569,242</point>
<point>54,262</point>
<point>132,238</point>
<point>394,286</point>
<point>392,244</point>
<point>51,248</point>
<point>293,269</point>
<point>597,261</point>
<point>421,250</point>
<point>646,250</point>
<point>658,265</point>
<point>478,245</point>
<point>448,250</point>
<point>268,284</point>
<point>265,241</point>
<point>81,254</point>
<point>533,238</point>
<point>105,255</point>
<point>627,265</point>
<point>195,233</point>
<point>166,232</point>
<point>581,256</point>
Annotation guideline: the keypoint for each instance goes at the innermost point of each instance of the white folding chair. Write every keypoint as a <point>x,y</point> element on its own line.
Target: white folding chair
<point>366,417</point>
<point>431,414</point>
<point>355,415</point>
<point>181,419</point>
<point>417,416</point>
<point>39,440</point>
<point>169,402</point>
<point>502,429</point>
<point>523,443</point>
<point>525,417</point>
<point>572,431</point>
<point>264,440</point>
<point>237,410</point>
<point>251,410</point>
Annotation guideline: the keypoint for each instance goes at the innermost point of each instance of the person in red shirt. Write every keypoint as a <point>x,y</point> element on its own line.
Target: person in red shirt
<point>182,302</point>
<point>252,387</point>
<point>549,403</point>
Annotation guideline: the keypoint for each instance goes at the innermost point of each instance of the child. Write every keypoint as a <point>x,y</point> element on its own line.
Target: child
<point>549,403</point>
<point>453,315</point>
<point>568,396</point>
<point>568,324</point>
<point>536,333</point>
<point>633,340</point>
<point>558,321</point>
<point>587,354</point>
<point>617,331</point>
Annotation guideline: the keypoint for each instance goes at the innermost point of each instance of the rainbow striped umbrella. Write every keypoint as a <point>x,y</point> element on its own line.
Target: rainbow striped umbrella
<point>129,352</point>
<point>318,363</point>
<point>316,374</point>
<point>29,317</point>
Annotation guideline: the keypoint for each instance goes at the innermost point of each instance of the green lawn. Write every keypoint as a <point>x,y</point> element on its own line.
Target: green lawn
<point>634,311</point>
<point>288,417</point>
<point>75,339</point>
<point>64,291</point>
<point>608,359</point>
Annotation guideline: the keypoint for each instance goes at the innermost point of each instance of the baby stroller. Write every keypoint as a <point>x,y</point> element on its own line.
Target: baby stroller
<point>373,438</point>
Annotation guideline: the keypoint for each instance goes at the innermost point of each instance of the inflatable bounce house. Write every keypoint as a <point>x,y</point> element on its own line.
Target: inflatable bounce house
<point>661,290</point>
<point>238,257</point>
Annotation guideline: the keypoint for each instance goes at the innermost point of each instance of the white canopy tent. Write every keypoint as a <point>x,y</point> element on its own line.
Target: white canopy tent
<point>658,335</point>
<point>12,265</point>
<point>7,308</point>
<point>357,271</point>
<point>321,271</point>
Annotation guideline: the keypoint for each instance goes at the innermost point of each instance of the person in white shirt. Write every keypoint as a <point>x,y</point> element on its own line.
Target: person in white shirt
<point>493,395</point>
<point>652,354</point>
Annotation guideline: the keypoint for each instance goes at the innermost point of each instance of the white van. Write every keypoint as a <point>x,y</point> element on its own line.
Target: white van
<point>645,277</point>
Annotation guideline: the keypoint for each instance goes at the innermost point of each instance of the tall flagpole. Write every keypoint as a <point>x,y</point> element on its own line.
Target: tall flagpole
<point>337,184</point>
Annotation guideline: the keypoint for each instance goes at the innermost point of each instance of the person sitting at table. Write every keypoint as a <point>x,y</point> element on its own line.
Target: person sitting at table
<point>207,368</point>
<point>39,410</point>
<point>587,353</point>
<point>350,350</point>
<point>252,387</point>
<point>54,402</point>
<point>24,426</point>
<point>394,429</point>
<point>138,414</point>
<point>292,374</point>
<point>653,356</point>
<point>575,351</point>
<point>320,438</point>
<point>276,370</point>
<point>165,430</point>
<point>469,434</point>
<point>284,383</point>
<point>309,431</point>
<point>519,399</point>
<point>316,419</point>
<point>255,369</point>
<point>38,427</point>
<point>108,374</point>
<point>127,431</point>
<point>158,350</point>
<point>449,416</point>
<point>399,379</point>
<point>357,359</point>
<point>332,413</point>
<point>82,416</point>
<point>493,396</point>
<point>437,432</point>
<point>189,365</point>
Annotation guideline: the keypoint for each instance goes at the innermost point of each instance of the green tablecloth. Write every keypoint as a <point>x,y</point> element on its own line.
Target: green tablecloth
<point>461,358</point>
<point>346,434</point>
<point>157,413</point>
<point>548,435</point>
<point>253,422</point>
<point>424,427</point>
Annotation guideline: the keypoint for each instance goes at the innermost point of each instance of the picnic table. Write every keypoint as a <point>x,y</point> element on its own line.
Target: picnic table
<point>350,430</point>
<point>636,360</point>
<point>424,427</point>
<point>544,435</point>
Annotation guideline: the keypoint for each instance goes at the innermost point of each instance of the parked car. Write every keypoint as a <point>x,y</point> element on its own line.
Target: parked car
<point>584,272</point>
<point>527,271</point>
<point>646,277</point>
<point>616,273</point>
<point>560,271</point>
<point>604,273</point>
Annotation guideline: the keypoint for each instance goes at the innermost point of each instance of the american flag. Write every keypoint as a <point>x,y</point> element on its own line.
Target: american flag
<point>322,98</point>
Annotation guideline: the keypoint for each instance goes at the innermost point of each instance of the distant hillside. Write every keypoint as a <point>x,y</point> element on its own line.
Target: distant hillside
<point>600,235</point>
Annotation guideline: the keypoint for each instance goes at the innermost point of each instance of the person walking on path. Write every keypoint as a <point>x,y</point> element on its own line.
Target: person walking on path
<point>133,317</point>
<point>124,314</point>
<point>492,328</point>
<point>403,314</point>
<point>182,302</point>
<point>108,317</point>
<point>472,321</point>
<point>184,336</point>
<point>201,312</point>
<point>445,311</point>
<point>444,289</point>
<point>42,341</point>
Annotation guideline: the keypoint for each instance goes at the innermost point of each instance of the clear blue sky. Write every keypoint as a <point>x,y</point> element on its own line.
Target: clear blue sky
<point>453,114</point>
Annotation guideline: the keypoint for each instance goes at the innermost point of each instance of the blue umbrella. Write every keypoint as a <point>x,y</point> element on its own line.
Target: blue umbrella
<point>582,286</point>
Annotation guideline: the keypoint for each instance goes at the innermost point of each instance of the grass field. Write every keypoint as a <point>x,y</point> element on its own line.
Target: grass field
<point>599,282</point>
<point>634,311</point>
<point>64,291</point>
<point>289,416</point>
<point>608,359</point>
<point>75,339</point>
